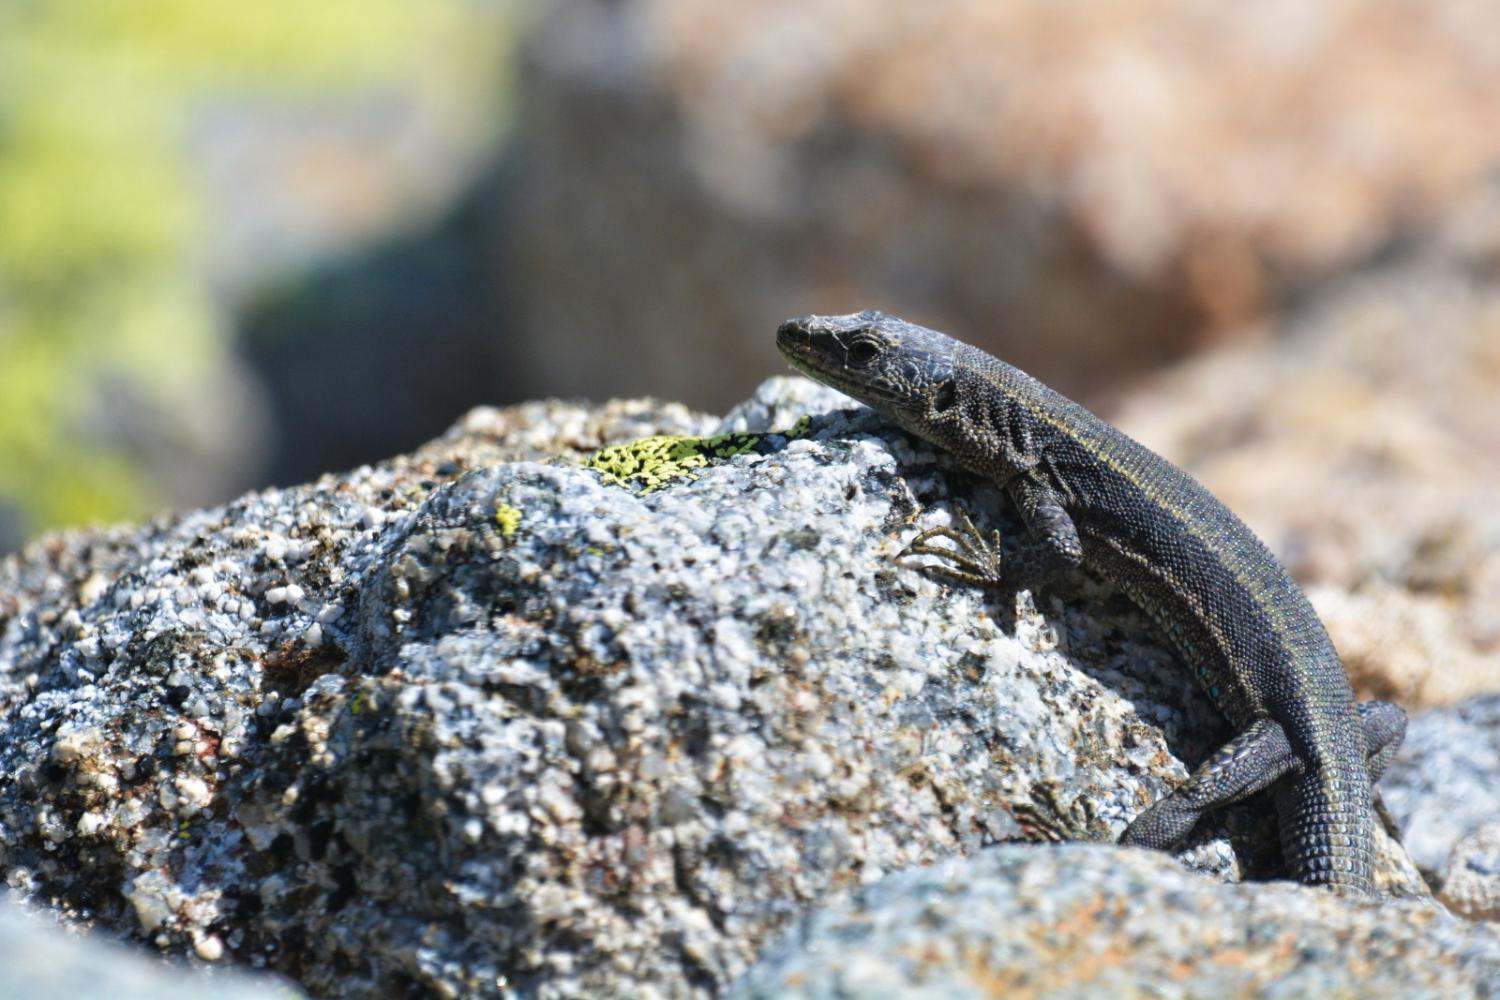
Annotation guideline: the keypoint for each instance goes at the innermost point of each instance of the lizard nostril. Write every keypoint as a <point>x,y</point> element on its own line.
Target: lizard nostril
<point>944,395</point>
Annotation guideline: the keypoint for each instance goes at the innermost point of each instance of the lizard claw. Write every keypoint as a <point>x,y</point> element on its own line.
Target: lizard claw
<point>971,560</point>
<point>1046,818</point>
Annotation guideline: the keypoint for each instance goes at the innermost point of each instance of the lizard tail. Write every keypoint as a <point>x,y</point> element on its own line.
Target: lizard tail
<point>1325,828</point>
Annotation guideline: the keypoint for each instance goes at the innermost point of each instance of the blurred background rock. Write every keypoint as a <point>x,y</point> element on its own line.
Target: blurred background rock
<point>243,245</point>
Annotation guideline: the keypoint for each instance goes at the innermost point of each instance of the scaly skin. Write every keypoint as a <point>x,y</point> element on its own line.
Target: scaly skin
<point>1091,496</point>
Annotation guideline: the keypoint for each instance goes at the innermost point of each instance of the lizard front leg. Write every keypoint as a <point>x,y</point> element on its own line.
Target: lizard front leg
<point>1054,545</point>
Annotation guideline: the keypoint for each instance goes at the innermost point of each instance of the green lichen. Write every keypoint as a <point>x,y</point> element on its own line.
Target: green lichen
<point>652,463</point>
<point>508,518</point>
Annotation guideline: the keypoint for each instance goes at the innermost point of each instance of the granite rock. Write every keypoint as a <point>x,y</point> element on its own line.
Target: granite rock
<point>478,721</point>
<point>1088,921</point>
<point>1441,786</point>
<point>1471,886</point>
<point>41,962</point>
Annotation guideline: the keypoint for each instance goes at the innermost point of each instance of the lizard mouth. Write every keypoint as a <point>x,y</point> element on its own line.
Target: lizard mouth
<point>793,339</point>
<point>805,345</point>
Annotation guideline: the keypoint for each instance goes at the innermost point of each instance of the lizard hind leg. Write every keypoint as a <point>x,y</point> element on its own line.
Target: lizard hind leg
<point>1384,726</point>
<point>1246,764</point>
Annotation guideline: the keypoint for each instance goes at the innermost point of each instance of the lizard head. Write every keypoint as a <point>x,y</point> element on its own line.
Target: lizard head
<point>904,370</point>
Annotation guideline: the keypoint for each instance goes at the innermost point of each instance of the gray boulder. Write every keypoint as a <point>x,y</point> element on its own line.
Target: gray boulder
<point>1442,785</point>
<point>41,962</point>
<point>484,720</point>
<point>1086,921</point>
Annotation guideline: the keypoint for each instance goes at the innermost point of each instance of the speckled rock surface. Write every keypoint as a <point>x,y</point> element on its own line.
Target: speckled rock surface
<point>1471,885</point>
<point>1442,785</point>
<point>1086,921</point>
<point>470,723</point>
<point>41,962</point>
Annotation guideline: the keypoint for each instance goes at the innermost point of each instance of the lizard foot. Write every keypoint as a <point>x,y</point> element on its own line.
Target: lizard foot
<point>1046,818</point>
<point>972,559</point>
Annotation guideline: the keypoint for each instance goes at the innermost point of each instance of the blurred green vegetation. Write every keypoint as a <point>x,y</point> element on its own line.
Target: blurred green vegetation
<point>101,228</point>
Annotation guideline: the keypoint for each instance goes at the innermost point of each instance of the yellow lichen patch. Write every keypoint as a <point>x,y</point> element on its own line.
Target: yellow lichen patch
<point>508,518</point>
<point>651,463</point>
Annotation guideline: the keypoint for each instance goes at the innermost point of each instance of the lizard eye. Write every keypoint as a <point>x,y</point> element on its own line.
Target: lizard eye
<point>862,353</point>
<point>943,396</point>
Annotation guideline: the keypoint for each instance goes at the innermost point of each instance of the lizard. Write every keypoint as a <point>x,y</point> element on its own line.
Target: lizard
<point>1092,497</point>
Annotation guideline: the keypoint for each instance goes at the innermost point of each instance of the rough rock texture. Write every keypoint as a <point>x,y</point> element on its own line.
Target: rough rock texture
<point>1360,440</point>
<point>1441,786</point>
<point>1087,189</point>
<point>1085,921</point>
<point>469,723</point>
<point>1471,887</point>
<point>38,962</point>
